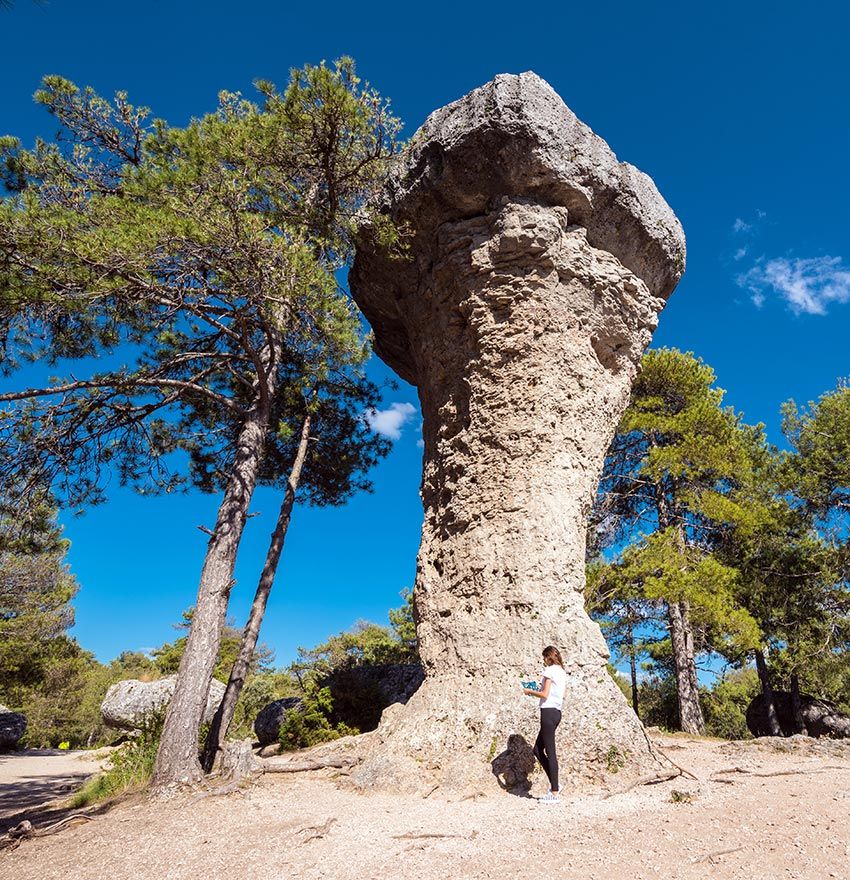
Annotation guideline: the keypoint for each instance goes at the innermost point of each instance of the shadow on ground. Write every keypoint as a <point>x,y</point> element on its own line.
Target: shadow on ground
<point>28,782</point>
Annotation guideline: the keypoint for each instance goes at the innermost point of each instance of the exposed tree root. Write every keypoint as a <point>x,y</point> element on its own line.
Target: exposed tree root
<point>316,832</point>
<point>306,766</point>
<point>681,770</point>
<point>649,779</point>
<point>410,835</point>
<point>25,830</point>
<point>709,857</point>
<point>743,770</point>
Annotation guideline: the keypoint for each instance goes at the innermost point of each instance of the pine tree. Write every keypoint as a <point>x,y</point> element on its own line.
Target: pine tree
<point>679,476</point>
<point>199,265</point>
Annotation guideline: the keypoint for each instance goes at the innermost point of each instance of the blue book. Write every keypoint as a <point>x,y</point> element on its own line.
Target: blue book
<point>531,685</point>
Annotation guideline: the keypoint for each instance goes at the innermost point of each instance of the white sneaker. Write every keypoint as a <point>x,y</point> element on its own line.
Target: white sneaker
<point>549,799</point>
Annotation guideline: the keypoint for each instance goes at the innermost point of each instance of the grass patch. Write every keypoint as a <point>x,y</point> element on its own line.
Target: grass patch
<point>129,769</point>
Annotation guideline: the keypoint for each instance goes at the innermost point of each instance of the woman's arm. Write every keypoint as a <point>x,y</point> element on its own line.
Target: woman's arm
<point>543,693</point>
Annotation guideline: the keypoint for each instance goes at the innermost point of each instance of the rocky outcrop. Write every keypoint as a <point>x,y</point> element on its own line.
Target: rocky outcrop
<point>536,266</point>
<point>128,703</point>
<point>359,695</point>
<point>821,717</point>
<point>270,718</point>
<point>13,725</point>
<point>391,682</point>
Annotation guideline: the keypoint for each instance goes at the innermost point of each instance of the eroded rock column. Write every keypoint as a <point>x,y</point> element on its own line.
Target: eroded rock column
<point>523,339</point>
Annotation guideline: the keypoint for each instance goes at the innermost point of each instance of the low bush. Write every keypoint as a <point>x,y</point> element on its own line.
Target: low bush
<point>311,725</point>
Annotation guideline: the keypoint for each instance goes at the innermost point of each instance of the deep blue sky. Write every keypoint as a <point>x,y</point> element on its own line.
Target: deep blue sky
<point>739,111</point>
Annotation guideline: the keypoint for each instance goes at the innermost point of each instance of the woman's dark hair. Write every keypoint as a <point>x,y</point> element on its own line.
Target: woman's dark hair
<point>553,654</point>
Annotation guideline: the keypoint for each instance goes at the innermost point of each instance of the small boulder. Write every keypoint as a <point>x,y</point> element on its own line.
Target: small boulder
<point>270,718</point>
<point>821,717</point>
<point>13,725</point>
<point>128,703</point>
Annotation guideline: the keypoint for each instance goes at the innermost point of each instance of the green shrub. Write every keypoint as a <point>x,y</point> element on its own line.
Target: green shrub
<point>130,766</point>
<point>725,706</point>
<point>311,724</point>
<point>357,699</point>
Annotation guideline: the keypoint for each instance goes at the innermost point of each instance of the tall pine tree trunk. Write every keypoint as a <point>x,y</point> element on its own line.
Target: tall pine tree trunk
<point>681,640</point>
<point>767,696</point>
<point>690,656</point>
<point>633,668</point>
<point>224,714</point>
<point>797,706</point>
<point>681,636</point>
<point>177,757</point>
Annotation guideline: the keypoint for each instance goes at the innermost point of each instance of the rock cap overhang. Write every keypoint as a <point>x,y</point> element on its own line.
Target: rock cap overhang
<point>514,137</point>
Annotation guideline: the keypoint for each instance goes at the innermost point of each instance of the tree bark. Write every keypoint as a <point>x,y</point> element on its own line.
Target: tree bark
<point>797,706</point>
<point>177,758</point>
<point>681,639</point>
<point>224,714</point>
<point>767,695</point>
<point>690,656</point>
<point>633,669</point>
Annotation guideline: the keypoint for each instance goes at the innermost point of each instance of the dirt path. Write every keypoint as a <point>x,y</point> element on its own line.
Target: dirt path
<point>35,776</point>
<point>789,826</point>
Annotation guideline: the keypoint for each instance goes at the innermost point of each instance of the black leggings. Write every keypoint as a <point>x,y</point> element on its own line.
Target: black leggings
<point>544,747</point>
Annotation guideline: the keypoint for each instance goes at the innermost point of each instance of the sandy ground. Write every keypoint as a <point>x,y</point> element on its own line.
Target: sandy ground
<point>795,825</point>
<point>35,776</point>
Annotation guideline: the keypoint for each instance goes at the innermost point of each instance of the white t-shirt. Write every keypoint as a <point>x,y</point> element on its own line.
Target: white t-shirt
<point>558,678</point>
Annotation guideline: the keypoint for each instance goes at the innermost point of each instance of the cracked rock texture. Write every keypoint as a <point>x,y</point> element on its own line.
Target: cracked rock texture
<point>537,266</point>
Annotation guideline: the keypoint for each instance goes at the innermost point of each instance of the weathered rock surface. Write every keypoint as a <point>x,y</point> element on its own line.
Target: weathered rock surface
<point>537,266</point>
<point>128,703</point>
<point>821,717</point>
<point>269,719</point>
<point>13,725</point>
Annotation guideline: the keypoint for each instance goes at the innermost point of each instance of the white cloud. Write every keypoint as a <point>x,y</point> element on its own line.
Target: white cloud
<point>740,225</point>
<point>389,422</point>
<point>808,286</point>
<point>740,254</point>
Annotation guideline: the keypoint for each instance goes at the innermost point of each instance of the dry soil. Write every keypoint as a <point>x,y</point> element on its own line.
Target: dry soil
<point>758,827</point>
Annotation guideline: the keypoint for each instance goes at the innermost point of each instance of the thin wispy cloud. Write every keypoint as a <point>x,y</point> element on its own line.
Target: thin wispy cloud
<point>808,285</point>
<point>389,422</point>
<point>741,225</point>
<point>740,254</point>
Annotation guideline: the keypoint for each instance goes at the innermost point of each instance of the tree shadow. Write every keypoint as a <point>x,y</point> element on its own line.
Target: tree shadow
<point>514,765</point>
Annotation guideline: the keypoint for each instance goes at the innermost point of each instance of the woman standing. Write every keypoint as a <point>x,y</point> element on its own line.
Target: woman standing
<point>551,696</point>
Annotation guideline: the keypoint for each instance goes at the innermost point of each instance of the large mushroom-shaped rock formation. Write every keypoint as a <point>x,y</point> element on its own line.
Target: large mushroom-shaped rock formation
<point>535,269</point>
<point>821,717</point>
<point>129,704</point>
